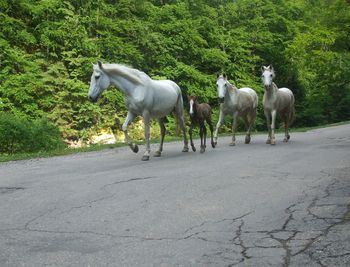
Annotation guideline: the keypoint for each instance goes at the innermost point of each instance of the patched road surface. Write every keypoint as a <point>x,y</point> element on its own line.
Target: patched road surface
<point>248,205</point>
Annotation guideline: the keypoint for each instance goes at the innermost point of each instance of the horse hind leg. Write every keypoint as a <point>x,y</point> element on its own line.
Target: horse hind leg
<point>211,132</point>
<point>162,134</point>
<point>291,117</point>
<point>251,117</point>
<point>248,128</point>
<point>286,127</point>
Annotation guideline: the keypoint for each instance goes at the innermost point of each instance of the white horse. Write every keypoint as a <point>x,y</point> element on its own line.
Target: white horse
<point>143,96</point>
<point>275,100</point>
<point>241,102</point>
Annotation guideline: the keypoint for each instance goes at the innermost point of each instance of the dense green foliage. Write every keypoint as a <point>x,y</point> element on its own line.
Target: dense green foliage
<point>47,47</point>
<point>22,135</point>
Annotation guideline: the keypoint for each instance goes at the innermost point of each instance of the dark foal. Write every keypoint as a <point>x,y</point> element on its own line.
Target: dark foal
<point>200,113</point>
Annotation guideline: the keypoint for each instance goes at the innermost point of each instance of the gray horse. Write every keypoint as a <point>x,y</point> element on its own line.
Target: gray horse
<point>276,100</point>
<point>143,96</point>
<point>241,102</point>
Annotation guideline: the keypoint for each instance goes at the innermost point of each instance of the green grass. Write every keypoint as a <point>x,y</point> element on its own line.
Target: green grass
<point>68,151</point>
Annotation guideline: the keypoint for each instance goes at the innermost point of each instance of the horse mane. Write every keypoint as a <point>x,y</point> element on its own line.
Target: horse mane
<point>274,86</point>
<point>231,86</point>
<point>131,74</point>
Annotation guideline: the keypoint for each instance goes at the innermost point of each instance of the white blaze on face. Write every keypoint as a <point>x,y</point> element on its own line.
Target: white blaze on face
<point>267,78</point>
<point>191,106</point>
<point>221,85</point>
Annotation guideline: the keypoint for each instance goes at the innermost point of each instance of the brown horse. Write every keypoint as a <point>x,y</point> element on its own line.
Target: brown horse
<point>200,113</point>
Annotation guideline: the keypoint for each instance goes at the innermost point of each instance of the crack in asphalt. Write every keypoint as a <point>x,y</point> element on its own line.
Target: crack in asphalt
<point>89,203</point>
<point>288,229</point>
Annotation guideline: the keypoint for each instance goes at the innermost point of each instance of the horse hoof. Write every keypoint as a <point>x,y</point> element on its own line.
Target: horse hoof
<point>288,137</point>
<point>185,149</point>
<point>135,149</point>
<point>213,145</point>
<point>202,150</point>
<point>247,140</point>
<point>193,149</point>
<point>285,140</point>
<point>268,141</point>
<point>232,144</point>
<point>273,142</point>
<point>145,158</point>
<point>157,154</point>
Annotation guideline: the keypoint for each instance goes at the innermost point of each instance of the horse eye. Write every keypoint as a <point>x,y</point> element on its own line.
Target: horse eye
<point>97,77</point>
<point>225,84</point>
<point>271,75</point>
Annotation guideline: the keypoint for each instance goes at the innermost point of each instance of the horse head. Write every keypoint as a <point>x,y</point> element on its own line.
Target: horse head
<point>267,76</point>
<point>221,84</point>
<point>98,83</point>
<point>191,100</point>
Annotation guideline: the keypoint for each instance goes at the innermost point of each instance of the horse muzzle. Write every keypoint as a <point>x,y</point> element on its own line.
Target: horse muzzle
<point>221,99</point>
<point>92,99</point>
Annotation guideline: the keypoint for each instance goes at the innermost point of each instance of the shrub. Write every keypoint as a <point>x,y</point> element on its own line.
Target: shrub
<point>21,135</point>
<point>45,136</point>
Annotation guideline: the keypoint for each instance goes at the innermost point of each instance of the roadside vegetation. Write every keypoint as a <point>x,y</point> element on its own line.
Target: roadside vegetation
<point>63,150</point>
<point>48,47</point>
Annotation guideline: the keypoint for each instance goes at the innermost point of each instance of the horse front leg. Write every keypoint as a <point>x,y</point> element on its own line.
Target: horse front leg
<point>268,123</point>
<point>146,121</point>
<point>203,138</point>
<point>129,118</point>
<point>234,125</point>
<point>190,134</point>
<point>218,125</point>
<point>162,134</point>
<point>273,121</point>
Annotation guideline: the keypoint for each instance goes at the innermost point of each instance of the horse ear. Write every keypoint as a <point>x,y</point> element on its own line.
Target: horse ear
<point>100,64</point>
<point>271,68</point>
<point>263,68</point>
<point>217,75</point>
<point>224,75</point>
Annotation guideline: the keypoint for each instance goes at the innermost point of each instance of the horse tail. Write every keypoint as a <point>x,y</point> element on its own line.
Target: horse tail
<point>256,101</point>
<point>179,113</point>
<point>292,112</point>
<point>292,116</point>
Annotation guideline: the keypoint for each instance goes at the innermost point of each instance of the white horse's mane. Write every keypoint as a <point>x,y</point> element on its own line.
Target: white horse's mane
<point>132,74</point>
<point>231,86</point>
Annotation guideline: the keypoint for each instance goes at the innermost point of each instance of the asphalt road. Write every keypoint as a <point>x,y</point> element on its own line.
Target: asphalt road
<point>248,205</point>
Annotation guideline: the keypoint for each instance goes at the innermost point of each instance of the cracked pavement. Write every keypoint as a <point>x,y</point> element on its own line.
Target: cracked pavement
<point>249,205</point>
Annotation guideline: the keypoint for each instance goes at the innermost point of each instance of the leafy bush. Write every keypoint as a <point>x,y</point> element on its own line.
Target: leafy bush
<point>22,135</point>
